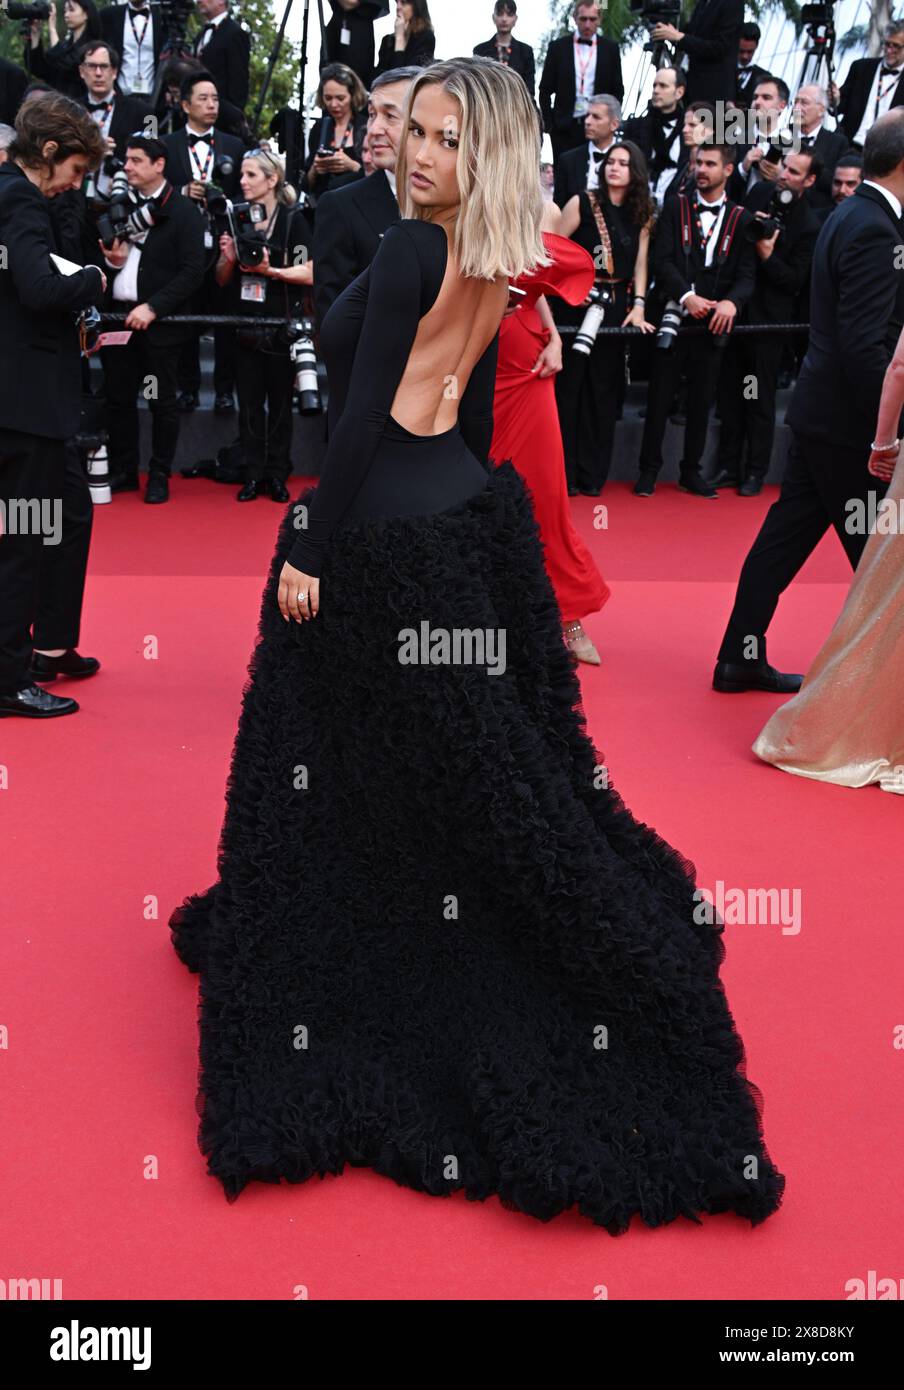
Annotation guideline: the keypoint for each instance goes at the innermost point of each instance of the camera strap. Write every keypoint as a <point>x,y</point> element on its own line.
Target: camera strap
<point>605,239</point>
<point>729,227</point>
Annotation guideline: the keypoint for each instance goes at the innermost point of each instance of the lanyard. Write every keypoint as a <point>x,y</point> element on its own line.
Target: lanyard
<point>139,41</point>
<point>882,92</point>
<point>583,67</point>
<point>201,174</point>
<point>705,237</point>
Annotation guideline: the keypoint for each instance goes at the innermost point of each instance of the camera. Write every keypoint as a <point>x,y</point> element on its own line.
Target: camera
<point>667,332</point>
<point>600,298</point>
<point>653,12</point>
<point>762,228</point>
<point>300,340</point>
<point>15,10</point>
<point>781,141</point>
<point>244,218</point>
<point>122,219</point>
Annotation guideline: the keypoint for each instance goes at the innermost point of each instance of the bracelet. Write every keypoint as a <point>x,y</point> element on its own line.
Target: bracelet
<point>639,299</point>
<point>891,448</point>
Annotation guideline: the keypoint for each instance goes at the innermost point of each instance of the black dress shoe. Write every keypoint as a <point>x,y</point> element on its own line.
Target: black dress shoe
<point>224,403</point>
<point>731,677</point>
<point>645,485</point>
<point>35,703</point>
<point>725,479</point>
<point>47,668</point>
<point>276,489</point>
<point>253,488</point>
<point>751,487</point>
<point>696,484</point>
<point>573,491</point>
<point>157,489</point>
<point>123,482</point>
<point>187,400</point>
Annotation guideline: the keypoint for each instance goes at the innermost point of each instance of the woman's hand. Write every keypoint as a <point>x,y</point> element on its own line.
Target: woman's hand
<point>228,252</point>
<point>263,267</point>
<point>635,319</point>
<point>882,465</point>
<point>299,594</point>
<point>550,360</point>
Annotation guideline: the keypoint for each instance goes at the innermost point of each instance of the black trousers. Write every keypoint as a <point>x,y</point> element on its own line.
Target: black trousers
<point>588,394</point>
<point>41,584</point>
<point>747,388</point>
<point>148,363</point>
<point>265,380</point>
<point>820,481</point>
<point>211,300</point>
<point>700,358</point>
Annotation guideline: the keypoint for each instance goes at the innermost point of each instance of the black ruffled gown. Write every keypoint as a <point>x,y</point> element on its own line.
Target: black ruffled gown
<point>439,945</point>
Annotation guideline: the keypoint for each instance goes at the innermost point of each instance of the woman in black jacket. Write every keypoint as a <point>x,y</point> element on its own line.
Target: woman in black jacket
<point>412,42</point>
<point>58,64</point>
<point>334,145</point>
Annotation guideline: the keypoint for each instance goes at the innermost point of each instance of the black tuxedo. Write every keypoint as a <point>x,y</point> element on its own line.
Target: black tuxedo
<point>358,53</point>
<point>781,279</point>
<point>855,92</point>
<point>127,116</point>
<point>350,222</point>
<point>734,279</point>
<point>13,81</point>
<point>521,59</point>
<point>571,172</point>
<point>856,316</point>
<point>179,170</point>
<point>227,56</point>
<point>648,133</point>
<point>113,29</point>
<point>828,147</point>
<point>558,88</point>
<point>746,83</point>
<point>172,264</point>
<point>711,44</point>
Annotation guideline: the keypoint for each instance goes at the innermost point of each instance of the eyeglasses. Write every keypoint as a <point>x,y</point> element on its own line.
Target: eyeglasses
<point>889,43</point>
<point>98,67</point>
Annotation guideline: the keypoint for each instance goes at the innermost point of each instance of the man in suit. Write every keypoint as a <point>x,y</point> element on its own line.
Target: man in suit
<point>658,133</point>
<point>577,66</point>
<point>809,108</point>
<point>506,49</point>
<point>771,109</point>
<point>351,220</point>
<point>749,72</point>
<point>40,407</point>
<point>577,170</point>
<point>115,115</point>
<point>856,316</point>
<point>224,48</point>
<point>157,272</point>
<point>704,261</point>
<point>847,178</point>
<point>137,35</point>
<point>782,272</point>
<point>872,87</point>
<point>198,155</point>
<point>349,35</point>
<point>13,81</point>
<point>710,43</point>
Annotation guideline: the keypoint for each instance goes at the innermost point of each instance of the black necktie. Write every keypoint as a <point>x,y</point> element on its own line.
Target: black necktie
<point>206,138</point>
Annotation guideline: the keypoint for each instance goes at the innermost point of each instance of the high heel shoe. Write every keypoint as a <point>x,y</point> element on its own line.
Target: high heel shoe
<point>579,644</point>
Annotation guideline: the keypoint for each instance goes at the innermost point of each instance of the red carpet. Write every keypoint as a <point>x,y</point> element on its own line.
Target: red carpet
<point>110,817</point>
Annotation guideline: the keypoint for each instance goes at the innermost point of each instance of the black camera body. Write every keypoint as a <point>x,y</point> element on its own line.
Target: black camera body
<point>121,219</point>
<point>653,12</point>
<point>762,228</point>
<point>246,217</point>
<point>16,10</point>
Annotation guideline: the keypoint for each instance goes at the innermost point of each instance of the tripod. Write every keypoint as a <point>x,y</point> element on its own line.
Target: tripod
<point>821,49</point>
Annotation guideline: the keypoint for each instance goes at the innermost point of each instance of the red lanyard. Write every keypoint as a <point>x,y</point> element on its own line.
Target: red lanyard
<point>705,237</point>
<point>882,92</point>
<point>591,53</point>
<point>202,174</point>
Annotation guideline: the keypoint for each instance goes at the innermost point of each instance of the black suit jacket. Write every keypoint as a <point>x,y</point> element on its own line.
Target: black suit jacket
<point>113,25</point>
<point>417,53</point>
<point>855,92</point>
<point>744,90</point>
<point>828,147</point>
<point>227,56</point>
<point>571,172</point>
<point>648,133</point>
<point>179,169</point>
<point>13,82</point>
<point>674,272</point>
<point>557,84</point>
<point>128,115</point>
<point>521,59</point>
<point>172,264</point>
<point>350,222</point>
<point>358,54</point>
<point>782,278</point>
<point>856,316</point>
<point>40,367</point>
<point>711,44</point>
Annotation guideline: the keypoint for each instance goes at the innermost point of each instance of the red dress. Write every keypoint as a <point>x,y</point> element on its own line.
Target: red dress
<point>526,426</point>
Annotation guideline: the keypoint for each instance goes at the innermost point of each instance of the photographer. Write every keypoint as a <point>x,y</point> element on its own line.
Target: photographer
<point>749,72</point>
<point>846,179</point>
<point>58,64</point>
<point>784,256</point>
<point>710,42</point>
<point>809,109</point>
<point>658,132</point>
<point>158,256</point>
<point>761,159</point>
<point>696,130</point>
<point>115,115</point>
<point>55,145</point>
<point>13,81</point>
<point>705,264</point>
<point>334,144</point>
<point>137,34</point>
<point>200,158</point>
<point>224,48</point>
<point>266,269</point>
<point>613,224</point>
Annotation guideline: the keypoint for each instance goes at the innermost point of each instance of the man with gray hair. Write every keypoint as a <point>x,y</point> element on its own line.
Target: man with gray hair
<point>7,136</point>
<point>809,112</point>
<point>577,170</point>
<point>872,87</point>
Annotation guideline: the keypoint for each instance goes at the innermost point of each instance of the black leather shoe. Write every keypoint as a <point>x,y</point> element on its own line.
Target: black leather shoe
<point>645,485</point>
<point>47,668</point>
<point>573,491</point>
<point>592,492</point>
<point>157,489</point>
<point>724,479</point>
<point>732,677</point>
<point>253,488</point>
<point>276,490</point>
<point>35,703</point>
<point>187,400</point>
<point>123,482</point>
<point>751,487</point>
<point>224,403</point>
<point>696,484</point>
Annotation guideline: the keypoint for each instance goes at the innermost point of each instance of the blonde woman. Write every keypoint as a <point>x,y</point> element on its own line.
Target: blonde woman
<point>430,901</point>
<point>266,272</point>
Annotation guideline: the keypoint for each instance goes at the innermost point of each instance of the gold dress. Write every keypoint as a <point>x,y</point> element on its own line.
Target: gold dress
<point>846,724</point>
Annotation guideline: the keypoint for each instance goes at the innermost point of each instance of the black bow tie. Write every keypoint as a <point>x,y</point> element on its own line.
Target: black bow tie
<point>206,138</point>
<point>806,141</point>
<point>598,155</point>
<point>889,72</point>
<point>139,14</point>
<point>99,105</point>
<point>590,41</point>
<point>712,211</point>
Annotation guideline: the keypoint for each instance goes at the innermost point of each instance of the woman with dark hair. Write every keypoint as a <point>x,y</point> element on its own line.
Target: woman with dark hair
<point>412,41</point>
<point>613,223</point>
<point>58,64</point>
<point>334,145</point>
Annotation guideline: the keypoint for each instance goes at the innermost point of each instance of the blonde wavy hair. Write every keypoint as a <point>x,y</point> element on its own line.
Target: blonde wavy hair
<point>272,162</point>
<point>497,231</point>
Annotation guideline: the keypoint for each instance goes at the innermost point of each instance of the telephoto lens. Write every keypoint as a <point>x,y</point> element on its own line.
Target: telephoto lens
<point>672,315</point>
<point>592,322</point>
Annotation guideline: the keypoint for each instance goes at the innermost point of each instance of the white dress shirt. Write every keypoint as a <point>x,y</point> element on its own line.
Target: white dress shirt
<point>207,32</point>
<point>892,201</point>
<point>584,77</point>
<point>713,241</point>
<point>125,285</point>
<point>593,165</point>
<point>136,75</point>
<point>883,89</point>
<point>391,175</point>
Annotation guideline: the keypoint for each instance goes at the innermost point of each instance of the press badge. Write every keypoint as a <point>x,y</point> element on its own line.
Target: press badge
<point>346,34</point>
<point>254,288</point>
<point>208,239</point>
